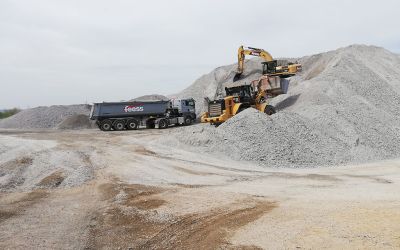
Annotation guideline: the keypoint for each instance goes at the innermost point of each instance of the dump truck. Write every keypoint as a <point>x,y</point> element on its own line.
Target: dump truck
<point>151,114</point>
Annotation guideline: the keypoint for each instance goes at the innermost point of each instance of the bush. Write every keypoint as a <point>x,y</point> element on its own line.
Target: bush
<point>8,113</point>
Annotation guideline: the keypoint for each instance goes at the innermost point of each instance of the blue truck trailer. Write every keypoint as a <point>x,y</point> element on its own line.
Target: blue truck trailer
<point>135,114</point>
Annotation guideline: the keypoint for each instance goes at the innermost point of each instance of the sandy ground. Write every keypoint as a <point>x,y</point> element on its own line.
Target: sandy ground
<point>146,196</point>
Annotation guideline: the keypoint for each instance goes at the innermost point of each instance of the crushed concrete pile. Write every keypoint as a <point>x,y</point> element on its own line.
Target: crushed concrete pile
<point>79,121</point>
<point>285,139</point>
<point>212,84</point>
<point>343,108</point>
<point>154,97</point>
<point>43,117</point>
<point>35,164</point>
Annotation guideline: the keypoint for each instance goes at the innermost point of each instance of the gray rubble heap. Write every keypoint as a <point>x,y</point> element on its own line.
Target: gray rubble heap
<point>212,84</point>
<point>79,121</point>
<point>43,117</point>
<point>153,97</point>
<point>343,108</point>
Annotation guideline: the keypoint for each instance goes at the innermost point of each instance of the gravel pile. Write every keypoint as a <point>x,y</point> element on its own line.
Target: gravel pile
<point>343,108</point>
<point>153,97</point>
<point>31,164</point>
<point>43,117</point>
<point>212,85</point>
<point>77,122</point>
<point>285,139</point>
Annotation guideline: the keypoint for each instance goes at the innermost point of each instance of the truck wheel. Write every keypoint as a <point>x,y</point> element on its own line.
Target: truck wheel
<point>269,110</point>
<point>132,124</point>
<point>106,125</point>
<point>162,124</point>
<point>119,125</point>
<point>188,120</point>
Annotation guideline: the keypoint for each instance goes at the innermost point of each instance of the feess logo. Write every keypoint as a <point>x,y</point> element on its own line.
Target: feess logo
<point>133,109</point>
<point>254,53</point>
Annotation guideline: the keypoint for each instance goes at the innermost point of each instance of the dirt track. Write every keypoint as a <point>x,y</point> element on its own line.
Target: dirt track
<point>143,195</point>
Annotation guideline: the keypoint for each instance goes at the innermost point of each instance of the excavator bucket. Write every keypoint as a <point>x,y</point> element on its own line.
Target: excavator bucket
<point>237,77</point>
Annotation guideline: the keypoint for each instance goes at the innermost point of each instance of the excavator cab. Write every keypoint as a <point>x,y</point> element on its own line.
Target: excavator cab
<point>269,67</point>
<point>241,94</point>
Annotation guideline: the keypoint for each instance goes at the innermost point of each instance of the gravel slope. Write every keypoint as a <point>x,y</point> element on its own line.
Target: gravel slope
<point>344,107</point>
<point>213,83</point>
<point>153,97</point>
<point>43,117</point>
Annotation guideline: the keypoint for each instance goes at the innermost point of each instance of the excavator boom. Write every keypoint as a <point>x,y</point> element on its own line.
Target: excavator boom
<point>243,51</point>
<point>270,64</point>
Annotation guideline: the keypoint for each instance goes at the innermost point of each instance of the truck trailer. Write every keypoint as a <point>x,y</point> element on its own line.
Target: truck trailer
<point>151,114</point>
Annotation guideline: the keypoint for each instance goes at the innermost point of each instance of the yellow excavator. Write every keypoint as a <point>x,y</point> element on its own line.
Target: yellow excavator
<point>256,94</point>
<point>269,66</point>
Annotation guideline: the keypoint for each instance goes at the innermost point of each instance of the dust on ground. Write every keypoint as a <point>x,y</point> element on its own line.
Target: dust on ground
<point>144,195</point>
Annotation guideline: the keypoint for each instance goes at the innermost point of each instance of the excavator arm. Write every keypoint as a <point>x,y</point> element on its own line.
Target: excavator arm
<point>243,51</point>
<point>270,65</point>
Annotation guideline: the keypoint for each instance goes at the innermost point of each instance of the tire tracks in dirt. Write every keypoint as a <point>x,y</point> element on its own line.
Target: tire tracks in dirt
<point>132,221</point>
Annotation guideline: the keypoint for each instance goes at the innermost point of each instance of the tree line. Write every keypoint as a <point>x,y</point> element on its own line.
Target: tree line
<point>8,112</point>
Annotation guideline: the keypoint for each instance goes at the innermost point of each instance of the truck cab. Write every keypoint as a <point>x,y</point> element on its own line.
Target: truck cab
<point>184,106</point>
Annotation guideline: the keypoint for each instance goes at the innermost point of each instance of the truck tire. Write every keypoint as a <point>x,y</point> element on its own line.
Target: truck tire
<point>105,125</point>
<point>269,110</point>
<point>119,125</point>
<point>132,124</point>
<point>188,120</point>
<point>162,124</point>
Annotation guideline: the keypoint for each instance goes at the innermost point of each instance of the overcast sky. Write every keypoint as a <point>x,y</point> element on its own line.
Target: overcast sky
<point>77,51</point>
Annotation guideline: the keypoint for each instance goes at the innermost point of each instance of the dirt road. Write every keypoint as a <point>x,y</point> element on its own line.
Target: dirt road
<point>120,190</point>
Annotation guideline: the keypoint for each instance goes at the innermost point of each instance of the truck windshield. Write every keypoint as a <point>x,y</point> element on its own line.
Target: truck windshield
<point>190,103</point>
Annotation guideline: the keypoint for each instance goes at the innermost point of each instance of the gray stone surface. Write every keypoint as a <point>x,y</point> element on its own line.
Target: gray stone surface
<point>153,97</point>
<point>343,108</point>
<point>43,117</point>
